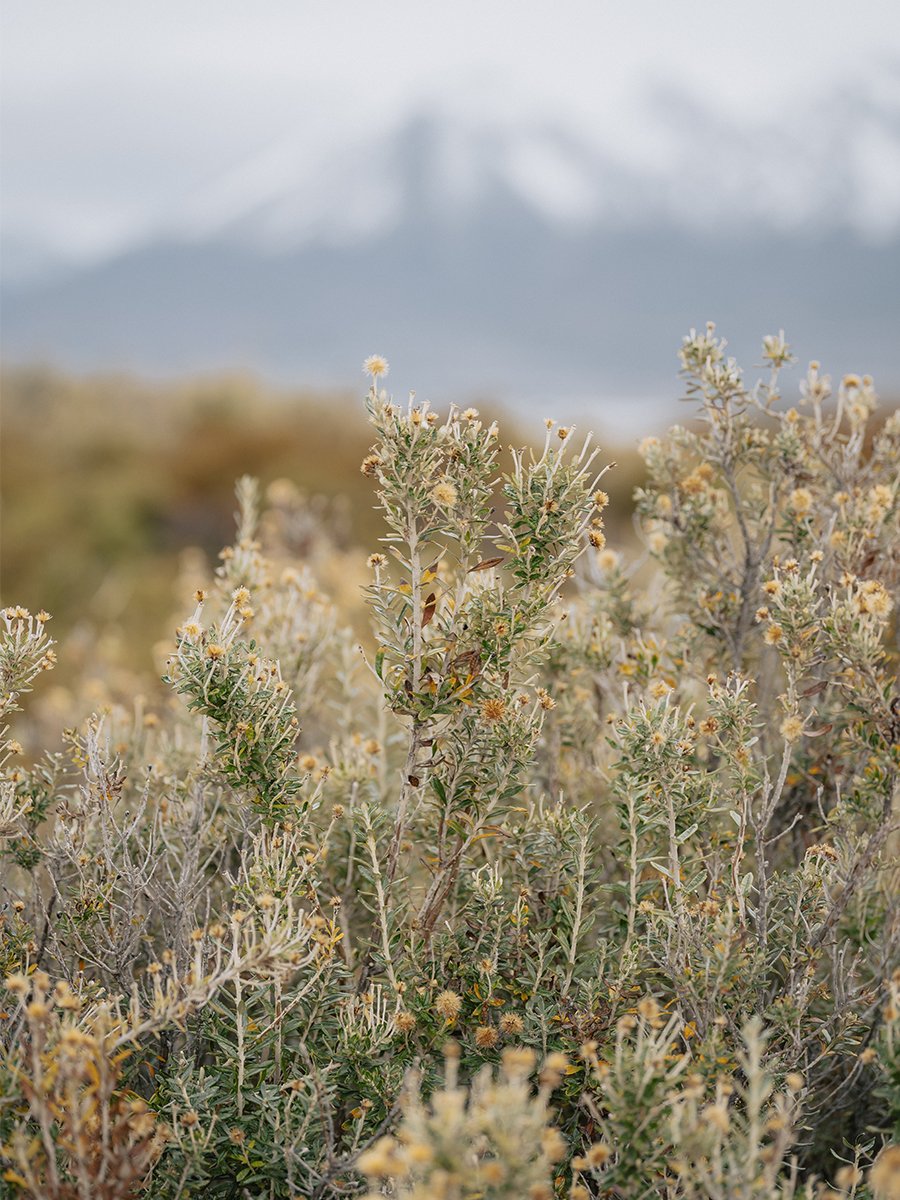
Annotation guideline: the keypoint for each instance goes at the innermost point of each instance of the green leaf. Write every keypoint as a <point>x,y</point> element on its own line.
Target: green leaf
<point>439,789</point>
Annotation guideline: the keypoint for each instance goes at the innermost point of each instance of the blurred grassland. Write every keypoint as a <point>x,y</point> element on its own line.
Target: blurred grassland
<point>107,480</point>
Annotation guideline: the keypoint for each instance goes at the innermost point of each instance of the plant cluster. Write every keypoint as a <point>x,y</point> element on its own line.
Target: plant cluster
<point>579,879</point>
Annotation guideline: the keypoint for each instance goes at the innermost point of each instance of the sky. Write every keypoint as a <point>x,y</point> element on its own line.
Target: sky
<point>117,114</point>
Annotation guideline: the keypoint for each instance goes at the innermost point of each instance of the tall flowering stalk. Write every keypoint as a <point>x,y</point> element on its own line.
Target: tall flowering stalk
<point>463,604</point>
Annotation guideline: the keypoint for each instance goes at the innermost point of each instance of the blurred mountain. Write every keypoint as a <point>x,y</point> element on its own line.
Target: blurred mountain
<point>519,261</point>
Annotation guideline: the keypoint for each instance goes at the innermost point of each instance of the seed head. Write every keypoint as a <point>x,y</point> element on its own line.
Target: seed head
<point>404,1021</point>
<point>518,1061</point>
<point>444,494</point>
<point>792,729</point>
<point>555,1066</point>
<point>598,1154</point>
<point>17,984</point>
<point>448,1005</point>
<point>884,1177</point>
<point>801,501</point>
<point>553,1145</point>
<point>493,709</point>
<point>376,366</point>
<point>511,1024</point>
<point>717,1116</point>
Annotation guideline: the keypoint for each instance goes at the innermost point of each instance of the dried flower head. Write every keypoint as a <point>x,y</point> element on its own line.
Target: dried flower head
<point>444,494</point>
<point>448,1004</point>
<point>493,709</point>
<point>511,1024</point>
<point>376,366</point>
<point>884,1176</point>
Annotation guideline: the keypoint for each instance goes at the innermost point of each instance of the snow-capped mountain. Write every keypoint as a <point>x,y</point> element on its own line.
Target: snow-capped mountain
<point>691,168</point>
<point>523,258</point>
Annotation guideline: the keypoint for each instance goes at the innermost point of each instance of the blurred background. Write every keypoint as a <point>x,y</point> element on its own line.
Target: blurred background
<point>212,212</point>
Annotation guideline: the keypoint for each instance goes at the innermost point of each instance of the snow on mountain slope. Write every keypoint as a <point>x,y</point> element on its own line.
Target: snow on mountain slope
<point>513,256</point>
<point>689,166</point>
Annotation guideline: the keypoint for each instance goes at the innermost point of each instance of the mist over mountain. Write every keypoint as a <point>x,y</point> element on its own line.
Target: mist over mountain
<point>490,256</point>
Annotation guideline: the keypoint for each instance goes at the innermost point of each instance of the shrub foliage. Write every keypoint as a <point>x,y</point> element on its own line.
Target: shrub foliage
<point>581,879</point>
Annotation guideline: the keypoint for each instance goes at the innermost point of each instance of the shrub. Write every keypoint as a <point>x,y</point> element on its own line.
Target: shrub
<point>580,880</point>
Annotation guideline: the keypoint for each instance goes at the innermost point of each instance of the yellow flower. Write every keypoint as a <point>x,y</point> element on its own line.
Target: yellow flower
<point>553,1145</point>
<point>404,1022</point>
<point>511,1024</point>
<point>848,1176</point>
<point>493,1172</point>
<point>17,984</point>
<point>493,709</point>
<point>556,1062</point>
<point>884,1177</point>
<point>518,1061</point>
<point>801,501</point>
<point>717,1115</point>
<point>448,1004</point>
<point>791,729</point>
<point>376,366</point>
<point>648,1008</point>
<point>381,1160</point>
<point>485,1037</point>
<point>598,1154</point>
<point>444,493</point>
<point>881,495</point>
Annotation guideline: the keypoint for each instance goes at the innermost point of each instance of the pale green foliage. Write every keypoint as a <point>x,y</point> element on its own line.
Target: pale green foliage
<point>579,880</point>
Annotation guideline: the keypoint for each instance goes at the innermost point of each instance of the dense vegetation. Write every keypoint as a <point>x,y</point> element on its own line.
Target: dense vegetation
<point>581,879</point>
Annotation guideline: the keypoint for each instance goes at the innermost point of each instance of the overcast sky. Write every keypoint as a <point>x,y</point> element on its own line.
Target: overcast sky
<point>115,113</point>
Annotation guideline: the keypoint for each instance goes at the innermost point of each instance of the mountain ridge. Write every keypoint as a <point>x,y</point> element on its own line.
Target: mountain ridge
<point>468,276</point>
